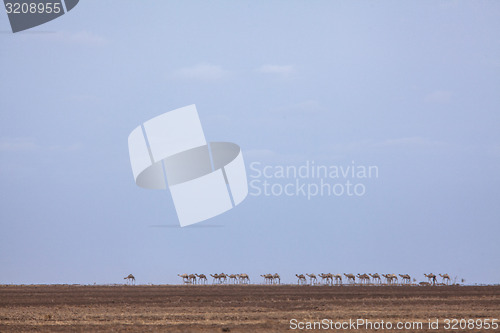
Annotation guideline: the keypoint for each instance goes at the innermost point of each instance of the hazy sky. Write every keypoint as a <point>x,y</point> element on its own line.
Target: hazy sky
<point>412,88</point>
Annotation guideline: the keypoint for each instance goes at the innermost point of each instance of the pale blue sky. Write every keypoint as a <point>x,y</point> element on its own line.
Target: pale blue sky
<point>411,87</point>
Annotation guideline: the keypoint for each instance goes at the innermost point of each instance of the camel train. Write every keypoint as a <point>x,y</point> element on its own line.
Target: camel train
<point>221,278</point>
<point>320,279</point>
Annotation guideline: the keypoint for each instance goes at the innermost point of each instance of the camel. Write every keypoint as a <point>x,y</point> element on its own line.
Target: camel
<point>130,279</point>
<point>390,277</point>
<point>323,278</point>
<point>406,278</point>
<point>313,278</point>
<point>223,277</point>
<point>350,278</point>
<point>268,278</point>
<point>329,276</point>
<point>216,278</point>
<point>376,277</point>
<point>446,278</point>
<point>185,278</point>
<point>301,279</point>
<point>244,278</point>
<point>233,278</point>
<point>364,278</point>
<point>326,278</point>
<point>338,279</point>
<point>431,277</point>
<point>202,278</point>
<point>424,284</point>
<point>192,278</point>
<point>276,278</point>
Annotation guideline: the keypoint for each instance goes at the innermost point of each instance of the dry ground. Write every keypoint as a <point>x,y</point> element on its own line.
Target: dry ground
<point>253,308</point>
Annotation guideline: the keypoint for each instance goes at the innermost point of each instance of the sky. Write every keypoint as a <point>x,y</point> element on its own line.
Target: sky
<point>412,88</point>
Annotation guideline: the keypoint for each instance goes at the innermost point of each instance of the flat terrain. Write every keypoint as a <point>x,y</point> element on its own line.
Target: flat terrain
<point>251,308</point>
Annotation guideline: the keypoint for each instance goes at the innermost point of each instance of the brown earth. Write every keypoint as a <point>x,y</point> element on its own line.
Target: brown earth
<point>252,308</point>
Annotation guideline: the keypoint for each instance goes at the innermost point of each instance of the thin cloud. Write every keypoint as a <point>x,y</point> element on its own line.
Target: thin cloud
<point>85,37</point>
<point>83,98</point>
<point>305,107</point>
<point>269,156</point>
<point>64,148</point>
<point>439,96</point>
<point>259,154</point>
<point>202,72</point>
<point>80,37</point>
<point>30,145</point>
<point>416,141</point>
<point>17,144</point>
<point>405,142</point>
<point>276,69</point>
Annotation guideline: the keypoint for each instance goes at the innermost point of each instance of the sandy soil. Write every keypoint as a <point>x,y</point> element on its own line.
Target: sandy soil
<point>252,308</point>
